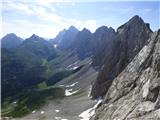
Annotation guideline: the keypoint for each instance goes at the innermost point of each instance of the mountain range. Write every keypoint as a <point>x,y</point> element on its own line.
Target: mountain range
<point>119,67</point>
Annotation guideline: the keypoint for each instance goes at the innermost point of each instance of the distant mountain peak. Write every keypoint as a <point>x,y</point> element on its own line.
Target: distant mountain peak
<point>10,40</point>
<point>34,36</point>
<point>102,28</point>
<point>73,27</point>
<point>85,30</point>
<point>136,23</point>
<point>136,18</point>
<point>11,34</point>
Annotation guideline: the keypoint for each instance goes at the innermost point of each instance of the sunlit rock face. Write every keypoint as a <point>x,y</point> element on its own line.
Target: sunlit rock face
<point>135,92</point>
<point>129,40</point>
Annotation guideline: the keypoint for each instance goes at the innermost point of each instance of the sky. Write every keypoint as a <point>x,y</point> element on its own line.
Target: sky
<point>47,17</point>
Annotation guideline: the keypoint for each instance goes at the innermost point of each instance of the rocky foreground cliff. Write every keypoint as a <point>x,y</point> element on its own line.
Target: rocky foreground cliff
<point>135,92</point>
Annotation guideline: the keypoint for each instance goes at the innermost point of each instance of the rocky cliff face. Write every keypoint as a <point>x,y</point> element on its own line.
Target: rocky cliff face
<point>135,92</point>
<point>129,40</point>
<point>102,38</point>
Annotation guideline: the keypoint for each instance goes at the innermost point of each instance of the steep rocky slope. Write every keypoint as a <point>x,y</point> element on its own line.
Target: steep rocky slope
<point>130,38</point>
<point>135,92</point>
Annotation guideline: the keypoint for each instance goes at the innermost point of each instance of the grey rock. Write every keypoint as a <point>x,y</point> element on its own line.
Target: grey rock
<point>129,40</point>
<point>135,92</point>
<point>102,40</point>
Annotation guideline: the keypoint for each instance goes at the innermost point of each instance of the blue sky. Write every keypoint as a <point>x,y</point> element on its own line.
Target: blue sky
<point>47,17</point>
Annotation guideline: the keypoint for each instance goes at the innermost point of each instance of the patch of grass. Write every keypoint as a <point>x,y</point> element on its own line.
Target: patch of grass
<point>42,86</point>
<point>42,117</point>
<point>27,101</point>
<point>58,76</point>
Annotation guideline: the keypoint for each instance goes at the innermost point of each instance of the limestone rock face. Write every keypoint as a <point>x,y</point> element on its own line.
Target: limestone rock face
<point>129,40</point>
<point>135,92</point>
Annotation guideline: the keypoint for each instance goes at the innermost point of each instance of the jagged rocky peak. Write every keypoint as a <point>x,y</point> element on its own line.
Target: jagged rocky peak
<point>128,41</point>
<point>135,22</point>
<point>66,38</point>
<point>85,30</point>
<point>104,28</point>
<point>104,31</point>
<point>135,92</point>
<point>34,37</point>
<point>72,28</point>
<point>58,37</point>
<point>82,44</point>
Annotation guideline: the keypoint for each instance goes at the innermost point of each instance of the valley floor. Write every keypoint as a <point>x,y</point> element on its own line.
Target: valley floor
<point>77,89</point>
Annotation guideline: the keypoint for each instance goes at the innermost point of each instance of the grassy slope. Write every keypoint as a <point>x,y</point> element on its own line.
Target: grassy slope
<point>29,100</point>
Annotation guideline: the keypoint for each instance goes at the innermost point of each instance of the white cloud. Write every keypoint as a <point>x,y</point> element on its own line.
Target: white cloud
<point>17,6</point>
<point>34,10</point>
<point>111,9</point>
<point>91,25</point>
<point>42,13</point>
<point>49,23</point>
<point>144,11</point>
<point>25,29</point>
<point>126,10</point>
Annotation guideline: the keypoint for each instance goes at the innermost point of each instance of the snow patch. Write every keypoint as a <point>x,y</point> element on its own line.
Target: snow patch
<point>86,115</point>
<point>33,111</point>
<point>42,112</point>
<point>57,118</point>
<point>55,45</point>
<point>72,84</point>
<point>69,92</point>
<point>89,93</point>
<point>57,111</point>
<point>15,102</point>
<point>74,68</point>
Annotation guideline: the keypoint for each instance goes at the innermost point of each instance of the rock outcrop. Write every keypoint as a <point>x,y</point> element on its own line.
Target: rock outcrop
<point>130,38</point>
<point>135,92</point>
